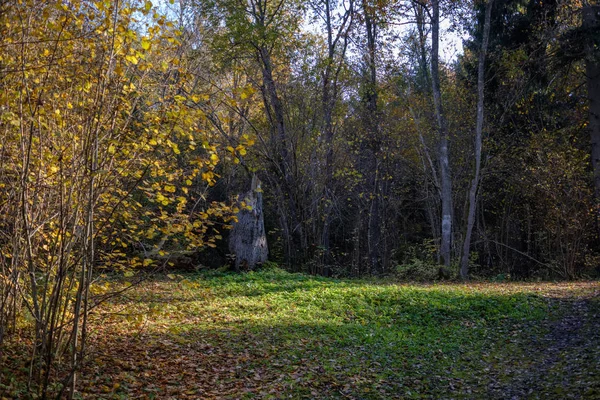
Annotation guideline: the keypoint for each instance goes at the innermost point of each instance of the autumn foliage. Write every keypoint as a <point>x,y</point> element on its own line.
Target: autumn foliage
<point>128,131</point>
<point>103,161</point>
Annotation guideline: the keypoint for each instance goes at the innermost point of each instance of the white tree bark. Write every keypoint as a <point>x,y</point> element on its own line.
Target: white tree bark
<point>444,152</point>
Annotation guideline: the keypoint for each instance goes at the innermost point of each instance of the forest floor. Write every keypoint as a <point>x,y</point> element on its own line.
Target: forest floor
<point>277,335</point>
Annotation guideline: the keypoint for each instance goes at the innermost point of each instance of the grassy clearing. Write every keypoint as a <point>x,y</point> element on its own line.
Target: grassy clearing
<point>273,334</point>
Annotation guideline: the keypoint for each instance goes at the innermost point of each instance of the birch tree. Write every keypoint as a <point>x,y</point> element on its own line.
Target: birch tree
<point>442,127</point>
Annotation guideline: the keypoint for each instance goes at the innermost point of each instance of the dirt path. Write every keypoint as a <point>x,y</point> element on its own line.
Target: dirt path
<point>562,364</point>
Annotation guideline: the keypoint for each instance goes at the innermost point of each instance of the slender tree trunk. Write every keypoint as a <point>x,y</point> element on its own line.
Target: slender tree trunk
<point>591,21</point>
<point>286,161</point>
<point>330,96</point>
<point>328,130</point>
<point>444,159</point>
<point>419,11</point>
<point>464,263</point>
<point>277,107</point>
<point>423,86</point>
<point>372,164</point>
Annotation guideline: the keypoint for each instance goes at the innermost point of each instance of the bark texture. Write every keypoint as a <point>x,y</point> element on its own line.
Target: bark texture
<point>464,262</point>
<point>371,162</point>
<point>248,241</point>
<point>443,155</point>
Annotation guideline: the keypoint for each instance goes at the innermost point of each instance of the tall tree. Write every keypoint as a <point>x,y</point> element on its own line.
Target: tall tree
<point>337,31</point>
<point>464,263</point>
<point>370,160</point>
<point>442,126</point>
<point>262,30</point>
<point>591,22</point>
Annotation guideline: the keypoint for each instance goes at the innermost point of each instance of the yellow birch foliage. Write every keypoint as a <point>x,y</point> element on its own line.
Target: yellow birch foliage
<point>99,140</point>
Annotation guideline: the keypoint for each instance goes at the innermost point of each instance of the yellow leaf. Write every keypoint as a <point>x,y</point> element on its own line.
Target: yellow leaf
<point>173,146</point>
<point>132,59</point>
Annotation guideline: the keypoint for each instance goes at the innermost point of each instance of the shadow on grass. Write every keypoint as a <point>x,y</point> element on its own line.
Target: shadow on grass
<point>299,337</point>
<point>283,361</point>
<point>279,335</point>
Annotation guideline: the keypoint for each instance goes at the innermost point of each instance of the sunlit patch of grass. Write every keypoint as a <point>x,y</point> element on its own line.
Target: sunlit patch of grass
<point>338,337</point>
<point>274,334</point>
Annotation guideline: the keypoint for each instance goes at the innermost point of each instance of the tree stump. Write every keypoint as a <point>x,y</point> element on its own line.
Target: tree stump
<point>247,240</point>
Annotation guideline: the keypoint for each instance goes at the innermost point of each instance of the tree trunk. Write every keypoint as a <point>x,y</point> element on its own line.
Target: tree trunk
<point>247,240</point>
<point>464,263</point>
<point>445,176</point>
<point>419,13</point>
<point>591,22</point>
<point>285,164</point>
<point>329,99</point>
<point>371,164</point>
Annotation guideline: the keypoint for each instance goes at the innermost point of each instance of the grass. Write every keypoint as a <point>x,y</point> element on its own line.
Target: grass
<point>273,334</point>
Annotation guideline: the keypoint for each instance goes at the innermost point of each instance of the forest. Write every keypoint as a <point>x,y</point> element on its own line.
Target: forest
<point>299,199</point>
